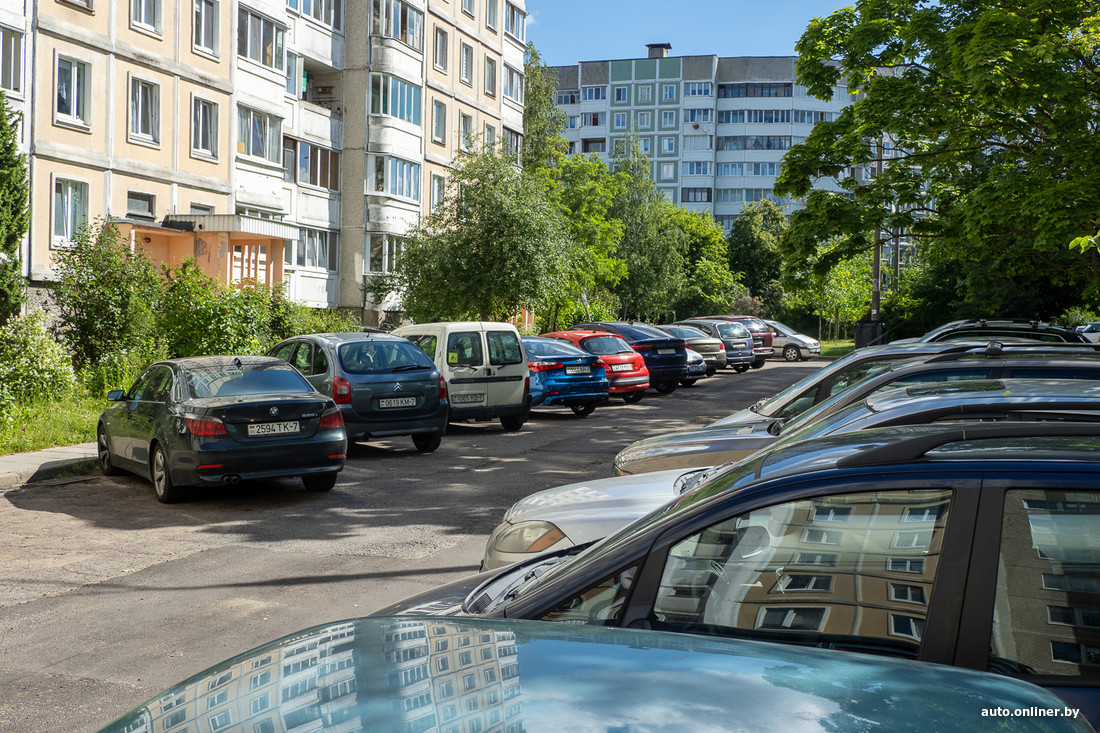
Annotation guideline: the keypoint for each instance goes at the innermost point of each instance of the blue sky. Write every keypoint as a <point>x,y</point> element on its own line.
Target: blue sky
<point>569,31</point>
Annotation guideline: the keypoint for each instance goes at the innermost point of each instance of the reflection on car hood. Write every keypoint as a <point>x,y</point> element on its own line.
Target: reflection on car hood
<point>691,448</point>
<point>741,417</point>
<point>606,501</point>
<point>404,673</point>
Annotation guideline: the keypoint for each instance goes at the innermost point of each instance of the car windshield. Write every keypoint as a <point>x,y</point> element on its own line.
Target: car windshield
<point>606,346</point>
<point>220,380</point>
<point>640,331</point>
<point>733,331</point>
<point>549,347</point>
<point>685,332</point>
<point>372,357</point>
<point>785,330</point>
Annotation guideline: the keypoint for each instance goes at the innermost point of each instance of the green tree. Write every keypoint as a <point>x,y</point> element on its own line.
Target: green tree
<point>753,250</point>
<point>496,245</point>
<point>543,120</point>
<point>989,111</point>
<point>107,294</point>
<point>14,217</point>
<point>708,286</point>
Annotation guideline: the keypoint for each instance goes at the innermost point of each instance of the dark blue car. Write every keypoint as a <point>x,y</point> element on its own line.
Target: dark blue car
<point>562,374</point>
<point>665,356</point>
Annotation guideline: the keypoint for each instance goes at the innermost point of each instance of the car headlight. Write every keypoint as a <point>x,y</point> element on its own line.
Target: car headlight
<point>528,537</point>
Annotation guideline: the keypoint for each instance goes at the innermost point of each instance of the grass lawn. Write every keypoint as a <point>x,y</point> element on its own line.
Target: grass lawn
<point>50,424</point>
<point>837,348</point>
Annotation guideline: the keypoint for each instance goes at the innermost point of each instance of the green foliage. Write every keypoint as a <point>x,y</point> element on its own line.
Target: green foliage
<point>990,111</point>
<point>106,292</point>
<point>32,364</point>
<point>14,217</point>
<point>292,319</point>
<point>1074,317</point>
<point>543,120</point>
<point>497,245</point>
<point>708,285</point>
<point>119,369</point>
<point>753,251</point>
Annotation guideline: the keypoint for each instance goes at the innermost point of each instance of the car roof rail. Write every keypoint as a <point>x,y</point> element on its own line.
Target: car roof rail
<point>913,448</point>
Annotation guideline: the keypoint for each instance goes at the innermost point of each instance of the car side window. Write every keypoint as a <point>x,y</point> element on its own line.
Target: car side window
<point>141,387</point>
<point>464,349</point>
<point>856,570</point>
<point>600,605</point>
<point>504,348</point>
<point>320,362</point>
<point>283,352</point>
<point>160,386</point>
<point>858,373</point>
<point>426,342</point>
<point>1046,617</point>
<point>303,357</point>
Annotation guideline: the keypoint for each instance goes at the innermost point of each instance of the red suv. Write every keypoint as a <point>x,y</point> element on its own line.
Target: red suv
<point>761,335</point>
<point>626,370</point>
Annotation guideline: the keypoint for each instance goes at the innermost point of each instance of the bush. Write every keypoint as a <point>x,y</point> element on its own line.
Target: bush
<point>32,364</point>
<point>119,370</point>
<point>1074,317</point>
<point>288,318</point>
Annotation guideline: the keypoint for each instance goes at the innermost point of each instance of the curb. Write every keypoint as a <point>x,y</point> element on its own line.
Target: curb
<point>26,468</point>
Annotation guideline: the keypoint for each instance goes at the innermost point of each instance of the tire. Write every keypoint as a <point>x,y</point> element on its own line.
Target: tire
<point>711,371</point>
<point>167,492</point>
<point>427,442</point>
<point>742,368</point>
<point>758,364</point>
<point>319,481</point>
<point>791,353</point>
<point>511,423</point>
<point>666,387</point>
<point>105,464</point>
<point>583,410</point>
<point>687,382</point>
<point>632,398</point>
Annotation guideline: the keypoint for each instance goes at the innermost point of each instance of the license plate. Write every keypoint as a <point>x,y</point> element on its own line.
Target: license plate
<point>397,402</point>
<point>273,428</point>
<point>666,351</point>
<point>620,367</point>
<point>577,370</point>
<point>468,397</point>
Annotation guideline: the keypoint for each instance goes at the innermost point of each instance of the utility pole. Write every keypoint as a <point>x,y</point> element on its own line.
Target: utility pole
<point>876,267</point>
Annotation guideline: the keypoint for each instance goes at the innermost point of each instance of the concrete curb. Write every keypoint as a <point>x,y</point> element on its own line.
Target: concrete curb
<point>25,468</point>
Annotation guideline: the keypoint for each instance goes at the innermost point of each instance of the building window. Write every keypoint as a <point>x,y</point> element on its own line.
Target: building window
<point>726,91</point>
<point>697,168</point>
<point>731,169</point>
<point>490,137</point>
<point>513,143</point>
<point>258,135</point>
<point>259,39</point>
<point>438,191</point>
<point>594,145</point>
<point>440,51</point>
<point>795,619</point>
<point>439,122</point>
<point>668,171</point>
<point>11,60</point>
<point>572,122</point>
<point>144,111</point>
<point>908,593</point>
<point>397,19</point>
<point>175,719</point>
<point>820,583</point>
<point>70,210</point>
<point>698,115</point>
<point>668,145</point>
<point>698,142</point>
<point>593,119</point>
<point>729,195</point>
<point>731,116</point>
<point>515,22</point>
<point>513,84</point>
<point>668,92</point>
<point>490,76</point>
<point>204,128</point>
<point>908,626</point>
<point>260,704</point>
<point>697,89</point>
<point>668,118</point>
<point>622,94</point>
<point>385,251</point>
<point>593,94</point>
<point>327,12</point>
<point>695,195</point>
<point>292,76</point>
<point>318,166</point>
<point>395,97</point>
<point>491,10</point>
<point>397,177</point>
<point>468,7</point>
<point>643,143</point>
<point>466,64</point>
<point>645,120</point>
<point>645,94</point>
<point>146,14</point>
<point>316,248</point>
<point>72,92</point>
<point>220,720</point>
<point>620,120</point>
<point>571,96</point>
<point>465,131</point>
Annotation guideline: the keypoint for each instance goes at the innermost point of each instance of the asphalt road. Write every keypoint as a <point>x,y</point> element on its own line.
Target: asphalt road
<point>108,597</point>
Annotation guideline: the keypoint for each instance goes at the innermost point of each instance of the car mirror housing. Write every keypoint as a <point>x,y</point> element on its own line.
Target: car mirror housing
<point>115,395</point>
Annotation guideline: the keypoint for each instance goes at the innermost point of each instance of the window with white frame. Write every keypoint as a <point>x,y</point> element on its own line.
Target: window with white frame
<point>70,210</point>
<point>259,135</point>
<point>492,8</point>
<point>645,94</point>
<point>465,131</point>
<point>439,122</point>
<point>698,115</point>
<point>72,91</point>
<point>645,120</point>
<point>697,168</point>
<point>644,144</point>
<point>622,94</point>
<point>294,80</point>
<point>668,92</point>
<point>697,89</point>
<point>439,53</point>
<point>570,96</point>
<point>468,7</point>
<point>731,169</point>
<point>146,14</point>
<point>490,136</point>
<point>398,19</point>
<point>466,64</point>
<point>220,720</point>
<point>572,122</point>
<point>438,191</point>
<point>698,142</point>
<point>592,94</point>
<point>204,128</point>
<point>260,39</point>
<point>515,22</point>
<point>765,169</point>
<point>144,111</point>
<point>490,76</point>
<point>668,118</point>
<point>729,195</point>
<point>731,116</point>
<point>397,177</point>
<point>908,593</point>
<point>619,120</point>
<point>910,627</point>
<point>593,119</point>
<point>695,195</point>
<point>668,145</point>
<point>393,96</point>
<point>513,143</point>
<point>797,618</point>
<point>141,205</point>
<point>327,12</point>
<point>385,251</point>
<point>316,248</point>
<point>513,84</point>
<point>259,704</point>
<point>318,166</point>
<point>11,60</point>
<point>668,171</point>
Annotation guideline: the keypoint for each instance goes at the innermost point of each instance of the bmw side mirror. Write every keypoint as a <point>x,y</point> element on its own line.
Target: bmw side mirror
<point>115,395</point>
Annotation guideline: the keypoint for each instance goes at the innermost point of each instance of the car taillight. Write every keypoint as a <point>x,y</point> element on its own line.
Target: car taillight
<point>341,391</point>
<point>641,347</point>
<point>205,426</point>
<point>542,366</point>
<point>443,393</point>
<point>526,386</point>
<point>602,365</point>
<point>331,419</point>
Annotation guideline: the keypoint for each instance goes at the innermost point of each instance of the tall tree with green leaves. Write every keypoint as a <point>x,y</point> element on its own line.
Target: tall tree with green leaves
<point>753,250</point>
<point>989,110</point>
<point>497,245</point>
<point>543,120</point>
<point>14,218</point>
<point>708,286</point>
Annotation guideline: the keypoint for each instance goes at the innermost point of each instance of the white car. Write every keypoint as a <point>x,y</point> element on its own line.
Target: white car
<point>1091,331</point>
<point>791,344</point>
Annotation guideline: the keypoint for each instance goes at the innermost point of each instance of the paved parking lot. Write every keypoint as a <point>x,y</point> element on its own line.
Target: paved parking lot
<point>107,596</point>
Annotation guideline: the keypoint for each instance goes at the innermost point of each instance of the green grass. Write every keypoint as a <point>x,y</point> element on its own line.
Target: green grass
<point>837,348</point>
<point>50,424</point>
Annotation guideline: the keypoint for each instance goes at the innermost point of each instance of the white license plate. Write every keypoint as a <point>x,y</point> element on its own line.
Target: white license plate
<point>397,402</point>
<point>273,428</point>
<point>666,351</point>
<point>577,370</point>
<point>468,397</point>
<point>620,367</point>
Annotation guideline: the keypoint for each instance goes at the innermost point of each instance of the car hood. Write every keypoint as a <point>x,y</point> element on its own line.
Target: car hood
<point>694,448</point>
<point>741,418</point>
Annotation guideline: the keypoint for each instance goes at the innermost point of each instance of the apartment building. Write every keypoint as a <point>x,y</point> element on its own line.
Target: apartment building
<point>715,128</point>
<point>276,141</point>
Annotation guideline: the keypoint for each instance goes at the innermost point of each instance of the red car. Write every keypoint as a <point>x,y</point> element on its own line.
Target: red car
<point>761,335</point>
<point>624,366</point>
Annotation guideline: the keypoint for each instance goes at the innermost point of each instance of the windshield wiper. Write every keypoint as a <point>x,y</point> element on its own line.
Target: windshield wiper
<point>409,367</point>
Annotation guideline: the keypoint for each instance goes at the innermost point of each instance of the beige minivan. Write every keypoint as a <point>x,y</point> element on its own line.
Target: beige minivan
<point>484,365</point>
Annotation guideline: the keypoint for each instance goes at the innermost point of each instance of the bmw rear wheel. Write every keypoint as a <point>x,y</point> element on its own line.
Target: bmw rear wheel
<point>106,465</point>
<point>167,492</point>
<point>319,481</point>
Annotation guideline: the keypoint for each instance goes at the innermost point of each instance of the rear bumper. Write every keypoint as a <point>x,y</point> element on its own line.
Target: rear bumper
<point>566,400</point>
<point>491,412</point>
<point>626,385</point>
<point>384,425</point>
<point>666,374</point>
<point>279,460</point>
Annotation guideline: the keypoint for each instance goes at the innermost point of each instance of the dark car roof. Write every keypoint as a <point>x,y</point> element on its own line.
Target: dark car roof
<point>1002,325</point>
<point>201,362</point>
<point>630,329</point>
<point>345,336</point>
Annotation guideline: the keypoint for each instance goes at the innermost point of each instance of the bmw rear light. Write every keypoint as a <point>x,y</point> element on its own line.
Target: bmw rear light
<point>205,426</point>
<point>443,393</point>
<point>542,366</point>
<point>641,347</point>
<point>341,391</point>
<point>331,419</point>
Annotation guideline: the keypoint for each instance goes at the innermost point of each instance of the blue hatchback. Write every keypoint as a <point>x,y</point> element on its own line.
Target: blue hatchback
<point>562,374</point>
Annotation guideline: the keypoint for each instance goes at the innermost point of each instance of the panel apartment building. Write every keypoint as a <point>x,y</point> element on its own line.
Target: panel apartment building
<point>273,140</point>
<point>716,129</point>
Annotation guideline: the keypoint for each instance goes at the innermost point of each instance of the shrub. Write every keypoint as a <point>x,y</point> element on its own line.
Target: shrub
<point>1074,317</point>
<point>119,369</point>
<point>32,364</point>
